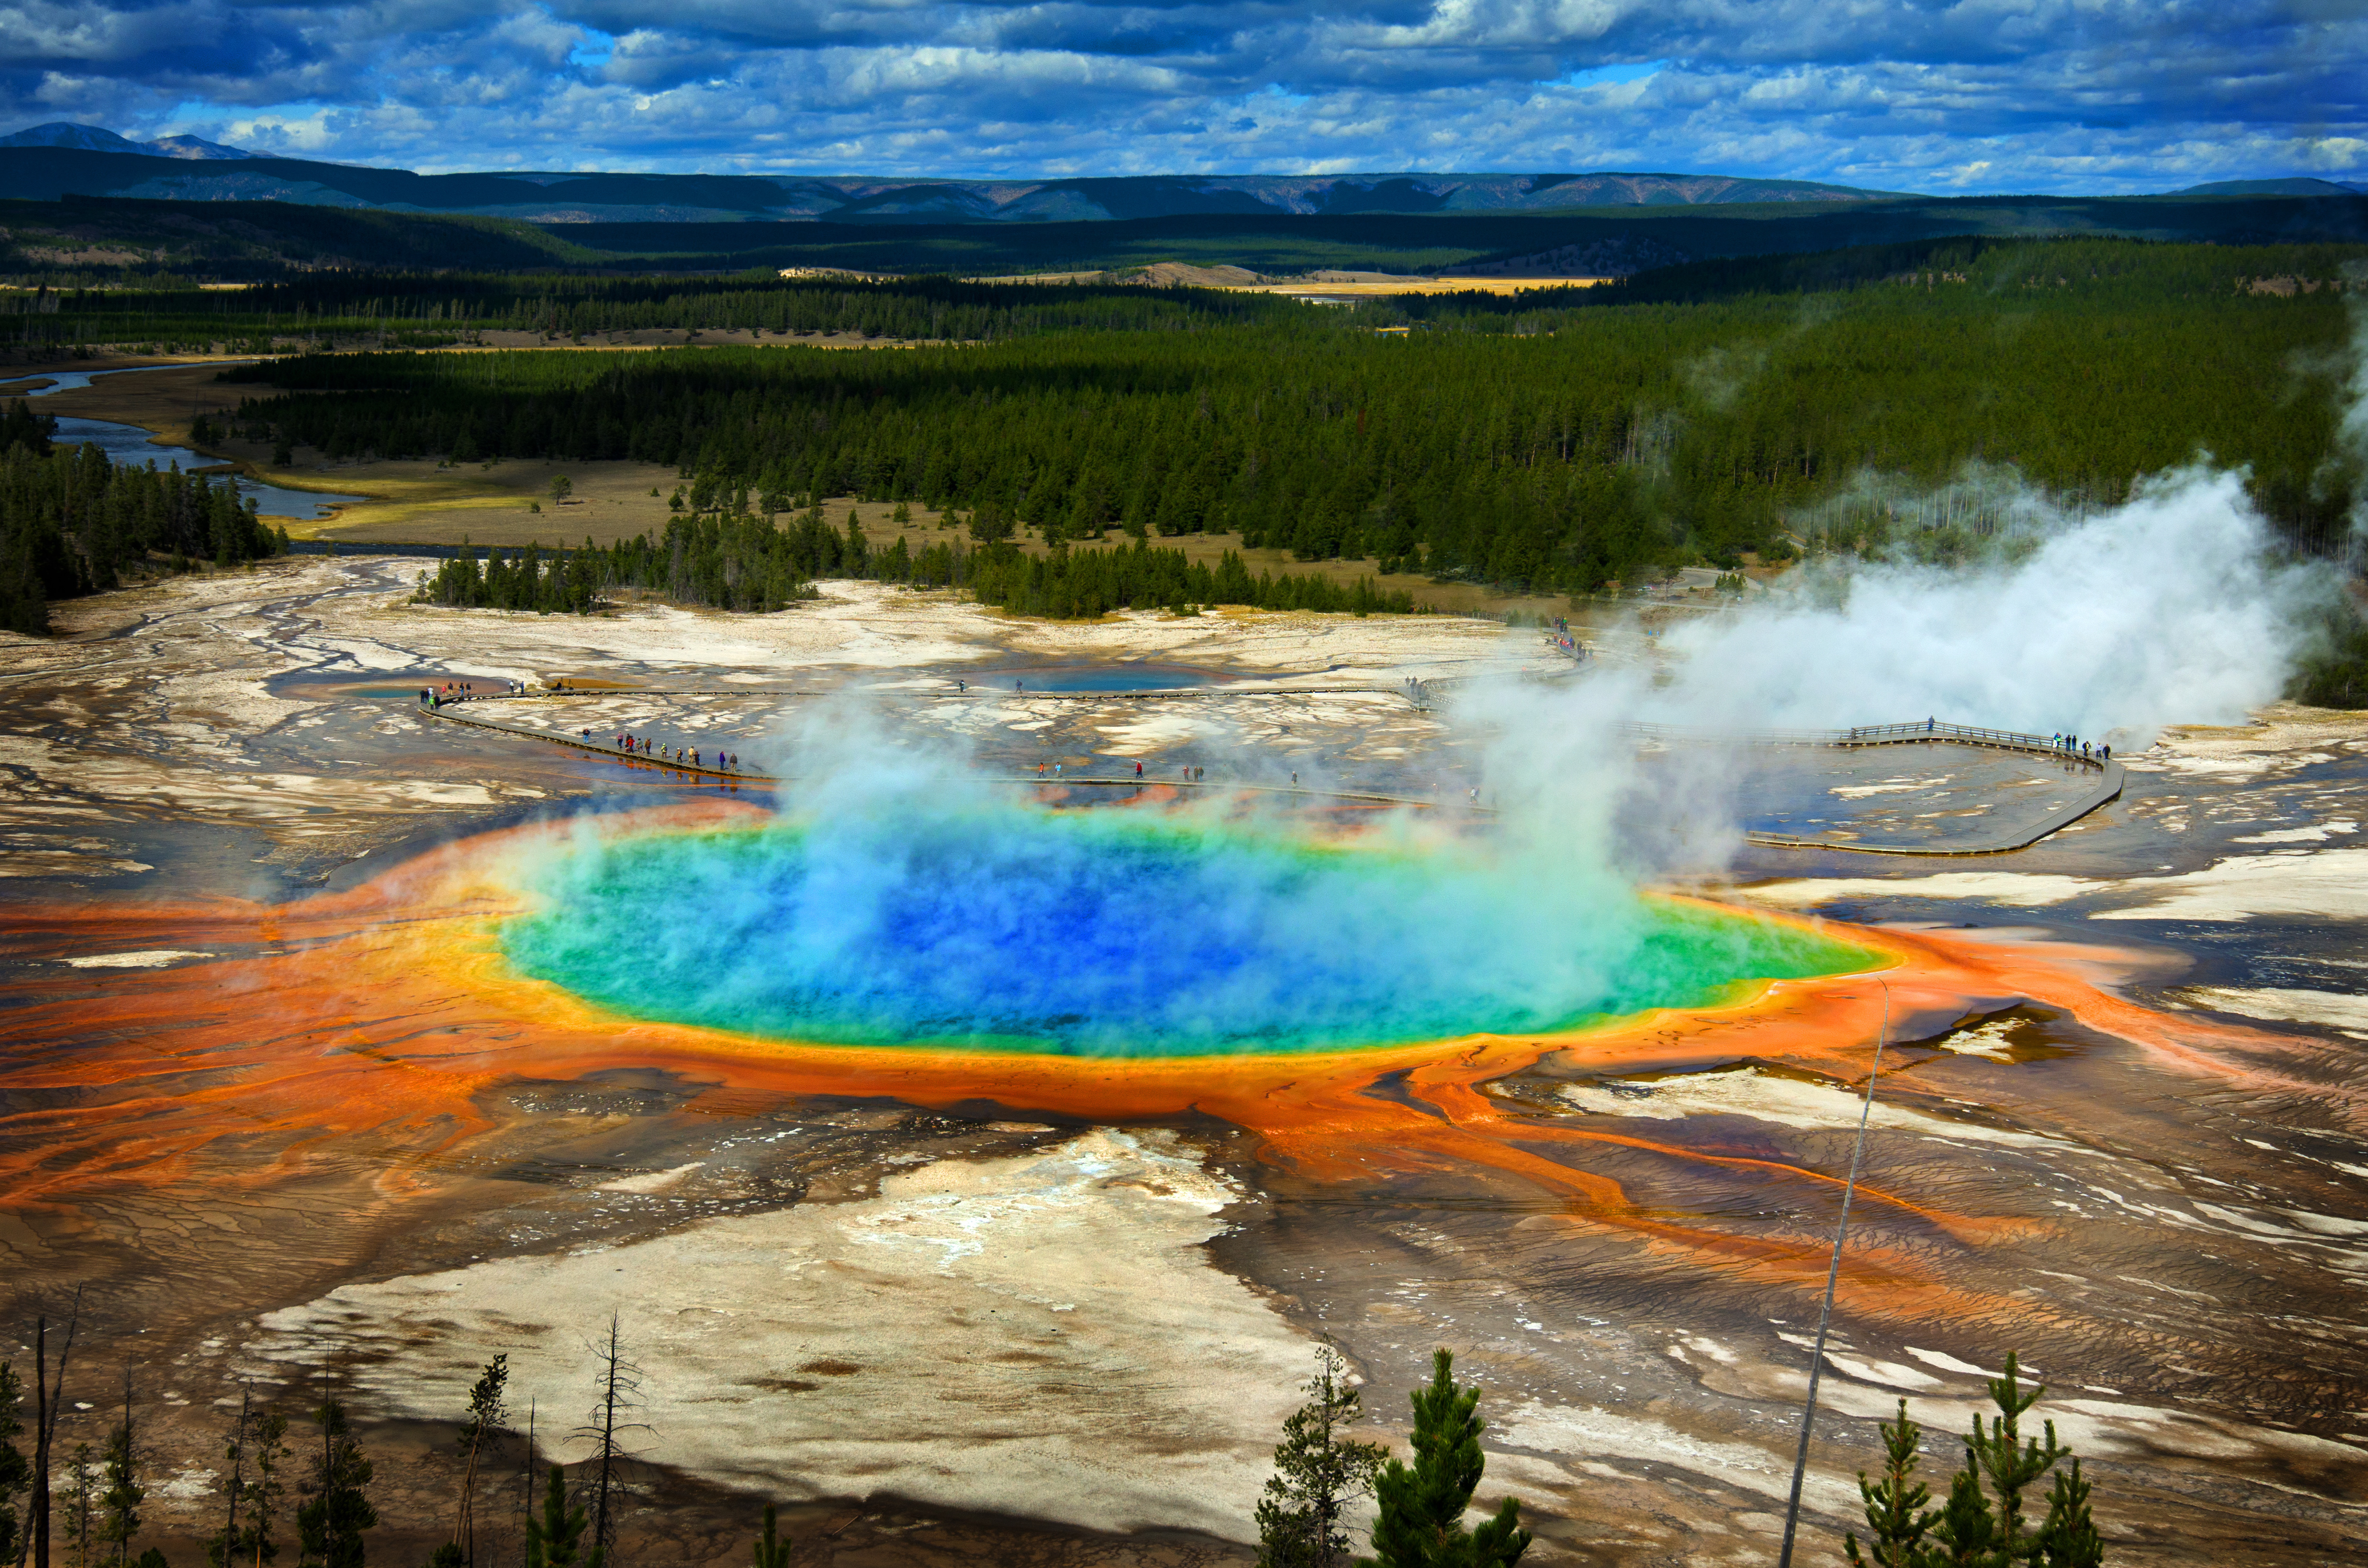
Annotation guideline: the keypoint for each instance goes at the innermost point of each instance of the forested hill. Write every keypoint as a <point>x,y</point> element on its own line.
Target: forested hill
<point>1545,444</point>
<point>80,242</point>
<point>434,310</point>
<point>2132,273</point>
<point>87,166</point>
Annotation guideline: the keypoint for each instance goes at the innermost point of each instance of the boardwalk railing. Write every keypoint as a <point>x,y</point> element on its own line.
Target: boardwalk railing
<point>1920,732</point>
<point>2106,787</point>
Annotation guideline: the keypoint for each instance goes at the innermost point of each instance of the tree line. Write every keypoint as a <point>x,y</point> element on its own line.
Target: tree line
<point>281,1488</point>
<point>430,310</point>
<point>1322,1477</point>
<point>72,523</point>
<point>2125,270</point>
<point>739,562</point>
<point>1068,583</point>
<point>1613,443</point>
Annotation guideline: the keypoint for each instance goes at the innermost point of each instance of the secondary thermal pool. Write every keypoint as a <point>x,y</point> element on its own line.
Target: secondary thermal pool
<point>990,925</point>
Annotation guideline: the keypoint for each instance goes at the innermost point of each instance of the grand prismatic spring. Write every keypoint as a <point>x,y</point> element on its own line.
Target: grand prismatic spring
<point>972,1165</point>
<point>1091,934</point>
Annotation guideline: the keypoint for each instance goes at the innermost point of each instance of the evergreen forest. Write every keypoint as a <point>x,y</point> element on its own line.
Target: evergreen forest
<point>71,523</point>
<point>1564,441</point>
<point>740,563</point>
<point>433,310</point>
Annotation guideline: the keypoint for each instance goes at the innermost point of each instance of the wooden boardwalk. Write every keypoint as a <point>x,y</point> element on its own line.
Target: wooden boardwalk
<point>2104,785</point>
<point>2104,781</point>
<point>454,713</point>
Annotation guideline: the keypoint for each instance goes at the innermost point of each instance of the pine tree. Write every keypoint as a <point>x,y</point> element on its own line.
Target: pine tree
<point>556,1540</point>
<point>331,1525</point>
<point>772,1551</point>
<point>2009,1463</point>
<point>1966,1533</point>
<point>2068,1538</point>
<point>487,1410</point>
<point>266,1492</point>
<point>15,1474</point>
<point>1981,1524</point>
<point>1421,1522</point>
<point>223,1550</point>
<point>1318,1473</point>
<point>1896,1519</point>
<point>81,1504</point>
<point>118,1504</point>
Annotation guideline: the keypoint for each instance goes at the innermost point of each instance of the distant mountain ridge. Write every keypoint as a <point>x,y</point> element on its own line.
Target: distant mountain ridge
<point>2300,185</point>
<point>95,139</point>
<point>50,163</point>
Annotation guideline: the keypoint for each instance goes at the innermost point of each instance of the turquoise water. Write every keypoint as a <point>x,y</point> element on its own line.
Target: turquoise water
<point>1111,935</point>
<point>1102,677</point>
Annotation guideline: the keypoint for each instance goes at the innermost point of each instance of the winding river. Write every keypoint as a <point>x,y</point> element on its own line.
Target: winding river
<point>131,444</point>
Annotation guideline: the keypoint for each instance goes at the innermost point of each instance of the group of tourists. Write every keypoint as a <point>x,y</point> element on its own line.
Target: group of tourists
<point>683,757</point>
<point>1055,769</point>
<point>463,691</point>
<point>1562,637</point>
<point>2073,746</point>
<point>625,741</point>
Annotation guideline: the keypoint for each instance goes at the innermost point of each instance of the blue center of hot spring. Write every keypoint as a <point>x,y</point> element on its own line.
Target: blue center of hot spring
<point>1108,934</point>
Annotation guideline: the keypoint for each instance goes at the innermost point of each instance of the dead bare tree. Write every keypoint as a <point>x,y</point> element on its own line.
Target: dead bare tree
<point>621,1391</point>
<point>526,1470</point>
<point>235,1485</point>
<point>49,1399</point>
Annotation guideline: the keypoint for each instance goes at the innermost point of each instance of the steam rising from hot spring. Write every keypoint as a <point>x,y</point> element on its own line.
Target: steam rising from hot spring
<point>2173,608</point>
<point>899,908</point>
<point>2177,606</point>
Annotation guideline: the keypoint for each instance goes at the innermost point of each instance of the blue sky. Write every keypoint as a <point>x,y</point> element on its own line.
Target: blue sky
<point>2104,95</point>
